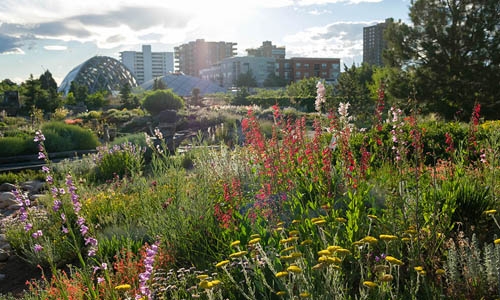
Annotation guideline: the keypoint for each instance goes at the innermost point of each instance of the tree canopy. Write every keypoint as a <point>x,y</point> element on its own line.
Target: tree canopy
<point>453,51</point>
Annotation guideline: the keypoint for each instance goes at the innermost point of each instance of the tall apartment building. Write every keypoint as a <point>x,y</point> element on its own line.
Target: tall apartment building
<point>194,56</point>
<point>147,65</point>
<point>297,68</point>
<point>267,50</point>
<point>374,43</point>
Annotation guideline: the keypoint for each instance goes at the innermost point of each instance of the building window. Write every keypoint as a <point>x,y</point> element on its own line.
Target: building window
<point>323,66</point>
<point>297,65</point>
<point>306,66</point>
<point>323,74</point>
<point>287,65</point>
<point>297,74</point>
<point>306,75</point>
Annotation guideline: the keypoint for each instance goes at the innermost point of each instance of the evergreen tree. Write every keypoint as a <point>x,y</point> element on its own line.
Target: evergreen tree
<point>453,51</point>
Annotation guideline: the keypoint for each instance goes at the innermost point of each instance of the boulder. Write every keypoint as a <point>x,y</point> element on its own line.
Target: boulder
<point>7,199</point>
<point>7,187</point>
<point>33,186</point>
<point>4,255</point>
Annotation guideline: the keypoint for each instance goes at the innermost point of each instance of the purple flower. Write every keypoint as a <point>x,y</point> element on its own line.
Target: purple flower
<point>92,252</point>
<point>39,137</point>
<point>37,248</point>
<point>65,230</point>
<point>63,217</point>
<point>37,234</point>
<point>45,169</point>
<point>90,240</point>
<point>100,279</point>
<point>84,229</point>
<point>57,205</point>
<point>28,226</point>
<point>80,221</point>
<point>49,179</point>
<point>145,276</point>
<point>41,155</point>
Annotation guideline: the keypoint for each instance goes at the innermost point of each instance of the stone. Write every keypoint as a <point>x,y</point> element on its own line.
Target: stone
<point>2,276</point>
<point>7,199</point>
<point>4,256</point>
<point>33,186</point>
<point>34,198</point>
<point>7,187</point>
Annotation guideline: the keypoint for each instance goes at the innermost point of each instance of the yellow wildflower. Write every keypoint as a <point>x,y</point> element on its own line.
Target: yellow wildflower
<point>317,266</point>
<point>254,236</point>
<point>343,251</point>
<point>418,268</point>
<point>324,252</point>
<point>306,242</point>
<point>304,295</point>
<point>332,249</point>
<point>238,254</point>
<point>254,241</point>
<point>341,220</point>
<point>296,221</point>
<point>202,276</point>
<point>405,239</point>
<point>490,212</point>
<point>294,269</point>
<point>386,278</point>
<point>296,254</point>
<point>279,229</point>
<point>370,284</point>
<point>394,260</point>
<point>222,263</point>
<point>281,274</point>
<point>206,285</point>
<point>388,237</point>
<point>215,282</point>
<point>286,257</point>
<point>280,223</point>
<point>288,249</point>
<point>370,240</point>
<point>294,233</point>
<point>122,287</point>
<point>281,293</point>
<point>235,243</point>
<point>372,217</point>
<point>319,222</point>
<point>440,272</point>
<point>497,241</point>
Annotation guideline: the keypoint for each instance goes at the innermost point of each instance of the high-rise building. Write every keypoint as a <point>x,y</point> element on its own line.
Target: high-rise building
<point>374,43</point>
<point>267,50</point>
<point>147,65</point>
<point>194,56</point>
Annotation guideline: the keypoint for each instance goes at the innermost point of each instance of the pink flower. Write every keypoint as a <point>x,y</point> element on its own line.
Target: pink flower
<point>37,248</point>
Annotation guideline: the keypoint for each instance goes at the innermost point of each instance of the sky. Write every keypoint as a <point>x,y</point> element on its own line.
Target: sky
<point>58,35</point>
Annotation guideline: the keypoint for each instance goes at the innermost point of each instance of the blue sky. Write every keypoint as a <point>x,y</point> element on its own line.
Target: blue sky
<point>57,35</point>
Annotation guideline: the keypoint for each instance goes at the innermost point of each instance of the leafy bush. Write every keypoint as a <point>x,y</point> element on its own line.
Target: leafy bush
<point>157,101</point>
<point>12,146</point>
<point>120,160</point>
<point>64,137</point>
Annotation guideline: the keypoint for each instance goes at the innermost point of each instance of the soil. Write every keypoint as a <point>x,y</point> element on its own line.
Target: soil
<point>17,272</point>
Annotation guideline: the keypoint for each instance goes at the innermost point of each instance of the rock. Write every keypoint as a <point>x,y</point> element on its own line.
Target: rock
<point>7,187</point>
<point>7,199</point>
<point>2,276</point>
<point>34,198</point>
<point>33,186</point>
<point>4,256</point>
<point>14,206</point>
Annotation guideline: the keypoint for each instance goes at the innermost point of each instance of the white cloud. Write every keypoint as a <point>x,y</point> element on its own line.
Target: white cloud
<point>342,40</point>
<point>316,12</point>
<point>55,48</point>
<point>14,51</point>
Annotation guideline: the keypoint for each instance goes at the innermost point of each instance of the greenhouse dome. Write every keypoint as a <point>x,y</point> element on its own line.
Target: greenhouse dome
<point>183,85</point>
<point>99,73</point>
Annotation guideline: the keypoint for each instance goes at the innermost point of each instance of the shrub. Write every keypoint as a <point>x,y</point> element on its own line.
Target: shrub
<point>64,137</point>
<point>120,160</point>
<point>157,101</point>
<point>12,146</point>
